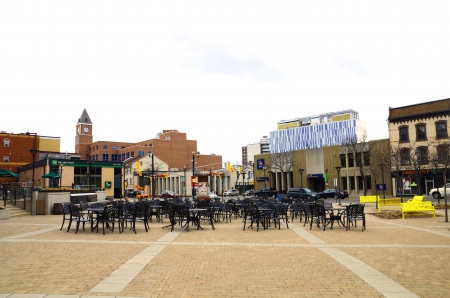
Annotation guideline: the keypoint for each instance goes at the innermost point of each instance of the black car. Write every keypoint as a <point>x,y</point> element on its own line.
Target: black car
<point>302,193</point>
<point>333,193</point>
<point>249,192</point>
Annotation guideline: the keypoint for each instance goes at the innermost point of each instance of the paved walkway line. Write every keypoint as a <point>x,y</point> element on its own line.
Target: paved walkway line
<point>380,282</point>
<point>33,233</point>
<point>305,235</point>
<point>118,280</point>
<point>440,233</point>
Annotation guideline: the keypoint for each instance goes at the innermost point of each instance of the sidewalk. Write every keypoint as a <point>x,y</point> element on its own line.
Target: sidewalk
<point>391,258</point>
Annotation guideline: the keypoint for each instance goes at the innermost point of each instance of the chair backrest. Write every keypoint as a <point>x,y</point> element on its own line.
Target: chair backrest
<point>320,202</point>
<point>84,205</point>
<point>75,211</point>
<point>66,208</point>
<point>355,210</point>
<point>140,209</point>
<point>317,210</point>
<point>328,204</point>
<point>307,207</point>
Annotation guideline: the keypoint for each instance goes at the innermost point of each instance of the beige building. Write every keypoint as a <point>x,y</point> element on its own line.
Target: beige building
<point>416,133</point>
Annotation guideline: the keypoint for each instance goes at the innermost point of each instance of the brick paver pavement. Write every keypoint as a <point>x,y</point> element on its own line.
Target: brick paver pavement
<point>391,258</point>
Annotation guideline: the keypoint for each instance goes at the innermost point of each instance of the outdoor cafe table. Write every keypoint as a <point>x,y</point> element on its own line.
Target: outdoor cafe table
<point>336,214</point>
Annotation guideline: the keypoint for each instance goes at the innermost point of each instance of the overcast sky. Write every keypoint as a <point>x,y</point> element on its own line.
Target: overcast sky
<point>223,72</point>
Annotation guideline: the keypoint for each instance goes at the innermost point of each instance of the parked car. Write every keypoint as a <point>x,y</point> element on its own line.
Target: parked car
<point>438,193</point>
<point>168,194</point>
<point>249,192</point>
<point>131,193</point>
<point>212,195</point>
<point>267,192</point>
<point>231,192</point>
<point>332,193</point>
<point>302,193</point>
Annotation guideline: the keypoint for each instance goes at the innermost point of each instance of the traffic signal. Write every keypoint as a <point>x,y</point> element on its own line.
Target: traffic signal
<point>151,179</point>
<point>221,175</point>
<point>228,165</point>
<point>240,169</point>
<point>232,169</point>
<point>140,173</point>
<point>166,175</point>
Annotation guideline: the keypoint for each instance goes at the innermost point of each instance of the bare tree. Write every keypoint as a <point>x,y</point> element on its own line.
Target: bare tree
<point>282,162</point>
<point>443,158</point>
<point>398,161</point>
<point>358,150</point>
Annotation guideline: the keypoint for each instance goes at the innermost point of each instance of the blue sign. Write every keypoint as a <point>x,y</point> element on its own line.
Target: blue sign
<point>381,186</point>
<point>260,164</point>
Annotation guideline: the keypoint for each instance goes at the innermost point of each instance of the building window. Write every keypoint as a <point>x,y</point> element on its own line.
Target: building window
<point>421,133</point>
<point>441,130</point>
<point>422,155</point>
<point>343,164</point>
<point>443,153</point>
<point>404,156</point>
<point>141,153</point>
<point>6,158</point>
<point>404,135</point>
<point>105,157</point>
<point>114,147</point>
<point>6,142</point>
<point>132,153</point>
<point>105,146</point>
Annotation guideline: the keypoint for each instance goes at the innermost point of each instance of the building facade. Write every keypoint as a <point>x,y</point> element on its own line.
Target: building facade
<point>327,167</point>
<point>419,144</point>
<point>171,146</point>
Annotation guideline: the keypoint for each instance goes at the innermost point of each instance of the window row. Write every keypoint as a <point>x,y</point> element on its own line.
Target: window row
<point>421,131</point>
<point>114,157</point>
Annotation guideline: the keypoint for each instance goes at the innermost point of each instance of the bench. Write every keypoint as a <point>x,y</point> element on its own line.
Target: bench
<point>416,199</point>
<point>388,202</point>
<point>416,208</point>
<point>368,199</point>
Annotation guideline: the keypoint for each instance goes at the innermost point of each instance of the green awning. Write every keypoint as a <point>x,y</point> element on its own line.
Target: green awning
<point>7,173</point>
<point>51,175</point>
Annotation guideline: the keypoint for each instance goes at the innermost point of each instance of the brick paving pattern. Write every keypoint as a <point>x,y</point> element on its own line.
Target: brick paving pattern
<point>391,258</point>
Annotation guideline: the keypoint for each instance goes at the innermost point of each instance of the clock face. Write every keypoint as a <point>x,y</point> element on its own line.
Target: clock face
<point>86,129</point>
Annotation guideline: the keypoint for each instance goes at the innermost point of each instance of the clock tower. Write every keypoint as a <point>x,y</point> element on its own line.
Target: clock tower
<point>83,138</point>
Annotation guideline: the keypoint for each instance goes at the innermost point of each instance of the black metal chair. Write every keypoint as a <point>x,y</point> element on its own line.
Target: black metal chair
<point>355,212</point>
<point>140,214</point>
<point>318,214</point>
<point>282,214</point>
<point>66,213</point>
<point>109,216</point>
<point>307,212</point>
<point>252,214</point>
<point>77,215</point>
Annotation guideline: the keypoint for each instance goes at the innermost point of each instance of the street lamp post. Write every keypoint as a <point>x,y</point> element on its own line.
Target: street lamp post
<point>194,155</point>
<point>89,174</point>
<point>382,180</point>
<point>33,153</point>
<point>301,176</point>
<point>60,173</point>
<point>243,181</point>
<point>152,178</point>
<point>184,180</point>
<point>120,181</point>
<point>338,169</point>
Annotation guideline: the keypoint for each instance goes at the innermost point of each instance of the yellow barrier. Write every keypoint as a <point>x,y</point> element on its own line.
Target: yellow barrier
<point>368,199</point>
<point>388,202</point>
<point>416,199</point>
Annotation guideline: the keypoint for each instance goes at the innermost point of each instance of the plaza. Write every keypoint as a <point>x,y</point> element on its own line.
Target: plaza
<point>391,258</point>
